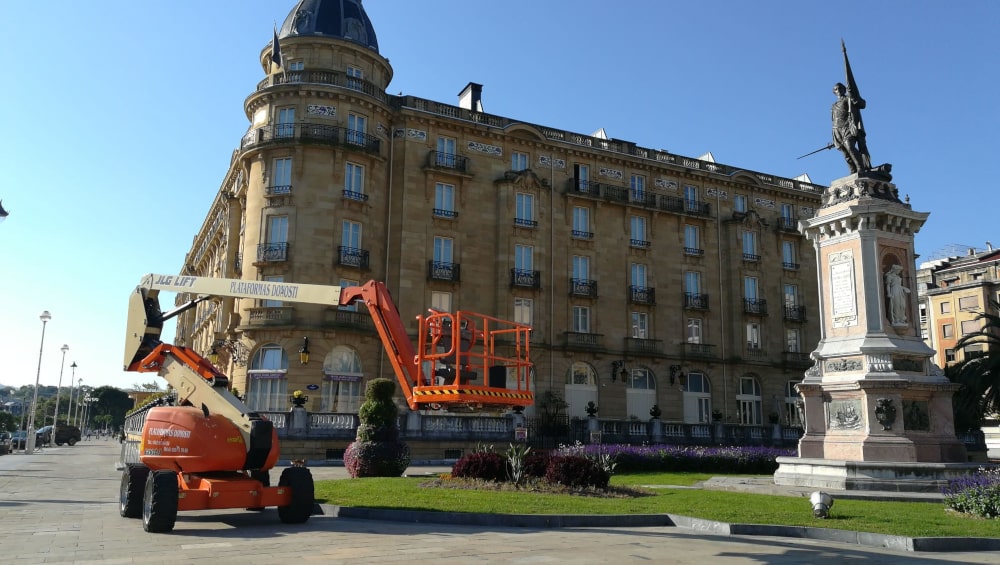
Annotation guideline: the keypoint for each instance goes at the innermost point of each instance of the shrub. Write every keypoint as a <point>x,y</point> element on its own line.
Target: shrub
<point>482,465</point>
<point>535,464</point>
<point>377,451</point>
<point>977,494</point>
<point>690,459</point>
<point>576,471</point>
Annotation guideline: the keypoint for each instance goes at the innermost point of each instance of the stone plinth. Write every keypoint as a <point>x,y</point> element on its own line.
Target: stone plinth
<point>873,395</point>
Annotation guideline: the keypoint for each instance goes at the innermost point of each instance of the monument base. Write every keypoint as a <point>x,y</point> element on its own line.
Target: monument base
<point>868,475</point>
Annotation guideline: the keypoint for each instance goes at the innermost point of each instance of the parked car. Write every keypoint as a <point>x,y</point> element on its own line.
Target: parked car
<point>4,443</point>
<point>17,440</point>
<point>67,434</point>
<point>43,435</point>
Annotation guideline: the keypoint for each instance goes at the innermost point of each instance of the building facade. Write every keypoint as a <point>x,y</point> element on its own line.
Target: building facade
<point>649,278</point>
<point>952,293</point>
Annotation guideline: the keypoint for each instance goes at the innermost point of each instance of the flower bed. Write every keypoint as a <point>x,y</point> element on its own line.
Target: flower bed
<point>752,460</point>
<point>977,494</point>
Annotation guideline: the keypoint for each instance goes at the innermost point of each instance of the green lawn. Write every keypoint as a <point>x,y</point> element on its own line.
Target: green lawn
<point>911,519</point>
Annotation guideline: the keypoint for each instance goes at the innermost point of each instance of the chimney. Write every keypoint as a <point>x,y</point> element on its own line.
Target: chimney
<point>471,97</point>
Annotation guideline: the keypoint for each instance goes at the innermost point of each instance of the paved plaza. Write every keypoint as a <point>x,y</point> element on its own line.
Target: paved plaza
<point>61,506</point>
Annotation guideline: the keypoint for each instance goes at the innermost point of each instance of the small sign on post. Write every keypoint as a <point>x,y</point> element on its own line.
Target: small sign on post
<point>521,434</point>
<point>595,437</point>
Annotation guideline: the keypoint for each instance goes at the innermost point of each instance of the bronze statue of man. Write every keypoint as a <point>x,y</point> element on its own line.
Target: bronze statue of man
<point>848,131</point>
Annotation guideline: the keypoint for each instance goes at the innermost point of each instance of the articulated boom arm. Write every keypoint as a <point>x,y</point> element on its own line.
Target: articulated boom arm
<point>453,350</point>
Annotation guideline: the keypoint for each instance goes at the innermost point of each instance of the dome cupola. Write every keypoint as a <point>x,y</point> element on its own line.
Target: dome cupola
<point>342,19</point>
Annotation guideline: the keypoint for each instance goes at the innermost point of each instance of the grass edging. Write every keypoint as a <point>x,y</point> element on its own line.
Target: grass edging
<point>898,543</point>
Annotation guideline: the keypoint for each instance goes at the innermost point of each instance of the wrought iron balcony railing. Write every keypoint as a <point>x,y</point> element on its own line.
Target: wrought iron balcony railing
<point>751,257</point>
<point>525,223</point>
<point>272,252</point>
<point>789,266</point>
<point>352,195</point>
<point>694,251</point>
<point>442,213</point>
<point>695,301</point>
<point>788,224</point>
<point>795,313</point>
<point>525,279</point>
<point>755,306</point>
<point>638,243</point>
<point>450,161</point>
<point>443,271</point>
<point>278,190</point>
<point>583,287</point>
<point>580,234</point>
<point>641,294</point>
<point>365,141</point>
<point>352,257</point>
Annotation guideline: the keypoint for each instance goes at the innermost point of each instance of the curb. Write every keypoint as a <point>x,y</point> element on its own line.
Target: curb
<point>898,543</point>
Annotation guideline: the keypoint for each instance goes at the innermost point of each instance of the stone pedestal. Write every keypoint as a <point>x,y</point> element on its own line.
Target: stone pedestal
<point>873,394</point>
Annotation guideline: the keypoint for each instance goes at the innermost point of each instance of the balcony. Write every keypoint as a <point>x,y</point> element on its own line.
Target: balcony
<point>443,271</point>
<point>331,78</point>
<point>356,196</point>
<point>349,319</point>
<point>583,287</point>
<point>697,207</point>
<point>363,140</point>
<point>311,133</point>
<point>755,352</point>
<point>757,306</point>
<point>525,279</point>
<point>788,224</point>
<point>447,161</point>
<point>586,187</point>
<point>615,193</point>
<point>283,190</point>
<point>584,341</point>
<point>447,214</point>
<point>638,244</point>
<point>751,258</point>
<point>789,266</point>
<point>580,234</point>
<point>796,359</point>
<point>643,346</point>
<point>271,316</point>
<point>795,313</point>
<point>694,252</point>
<point>524,223</point>
<point>694,301</point>
<point>352,257</point>
<point>272,252</point>
<point>698,351</point>
<point>641,294</point>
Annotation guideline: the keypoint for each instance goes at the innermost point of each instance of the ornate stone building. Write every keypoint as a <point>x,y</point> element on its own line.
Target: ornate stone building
<point>649,277</point>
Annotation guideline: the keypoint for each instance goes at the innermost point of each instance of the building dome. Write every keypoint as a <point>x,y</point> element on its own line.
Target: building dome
<point>343,19</point>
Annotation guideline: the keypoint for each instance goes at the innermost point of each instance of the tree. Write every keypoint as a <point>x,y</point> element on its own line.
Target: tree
<point>110,402</point>
<point>981,375</point>
<point>8,422</point>
<point>151,386</point>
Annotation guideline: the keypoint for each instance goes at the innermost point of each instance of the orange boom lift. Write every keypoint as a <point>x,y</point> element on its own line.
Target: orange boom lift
<point>208,450</point>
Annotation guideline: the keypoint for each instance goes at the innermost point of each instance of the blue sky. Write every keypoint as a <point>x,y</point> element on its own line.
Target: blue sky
<point>120,118</point>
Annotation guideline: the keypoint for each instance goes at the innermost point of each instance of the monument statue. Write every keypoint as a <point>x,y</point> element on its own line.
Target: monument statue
<point>896,293</point>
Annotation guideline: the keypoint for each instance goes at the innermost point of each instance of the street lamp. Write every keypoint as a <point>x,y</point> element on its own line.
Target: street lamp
<point>69,411</point>
<point>29,437</point>
<point>55,418</point>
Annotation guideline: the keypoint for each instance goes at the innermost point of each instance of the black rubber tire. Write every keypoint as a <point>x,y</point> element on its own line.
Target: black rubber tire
<point>71,441</point>
<point>300,481</point>
<point>130,495</point>
<point>265,479</point>
<point>59,443</point>
<point>159,502</point>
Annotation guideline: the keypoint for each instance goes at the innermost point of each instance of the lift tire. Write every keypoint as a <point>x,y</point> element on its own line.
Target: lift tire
<point>159,502</point>
<point>133,484</point>
<point>265,479</point>
<point>300,481</point>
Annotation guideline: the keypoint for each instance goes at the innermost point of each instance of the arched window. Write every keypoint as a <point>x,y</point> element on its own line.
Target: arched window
<point>342,376</point>
<point>267,385</point>
<point>581,388</point>
<point>697,399</point>
<point>640,392</point>
<point>749,401</point>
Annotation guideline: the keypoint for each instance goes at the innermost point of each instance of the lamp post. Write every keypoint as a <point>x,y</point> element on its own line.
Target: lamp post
<point>72,414</point>
<point>29,438</point>
<point>55,418</point>
<point>69,411</point>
